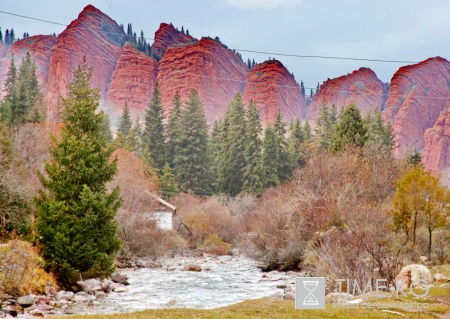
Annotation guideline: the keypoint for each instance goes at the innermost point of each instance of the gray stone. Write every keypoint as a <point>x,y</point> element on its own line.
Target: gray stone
<point>100,295</point>
<point>64,295</point>
<point>120,289</point>
<point>289,296</point>
<point>26,301</point>
<point>119,278</point>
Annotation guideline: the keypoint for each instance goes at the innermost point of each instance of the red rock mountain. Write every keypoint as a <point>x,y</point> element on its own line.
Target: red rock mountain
<point>133,79</point>
<point>436,152</point>
<point>272,87</point>
<point>39,46</point>
<point>93,35</point>
<point>361,87</point>
<point>418,94</point>
<point>165,36</point>
<point>207,66</point>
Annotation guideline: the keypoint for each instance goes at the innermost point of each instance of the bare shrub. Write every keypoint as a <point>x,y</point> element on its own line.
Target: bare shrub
<point>21,269</point>
<point>334,209</point>
<point>197,218</point>
<point>139,234</point>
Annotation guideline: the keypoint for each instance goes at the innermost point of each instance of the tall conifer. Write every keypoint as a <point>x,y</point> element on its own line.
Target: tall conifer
<point>153,136</point>
<point>75,223</point>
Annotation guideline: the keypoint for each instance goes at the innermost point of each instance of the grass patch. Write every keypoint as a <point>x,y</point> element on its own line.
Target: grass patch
<point>270,308</point>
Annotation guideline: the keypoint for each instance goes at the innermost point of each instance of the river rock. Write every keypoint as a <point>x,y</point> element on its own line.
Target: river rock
<point>65,295</point>
<point>119,278</point>
<point>193,267</point>
<point>26,301</point>
<point>100,295</point>
<point>440,278</point>
<point>120,289</point>
<point>412,273</point>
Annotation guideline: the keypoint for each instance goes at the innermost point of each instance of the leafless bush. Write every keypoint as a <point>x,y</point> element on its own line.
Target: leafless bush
<point>21,269</point>
<point>198,218</point>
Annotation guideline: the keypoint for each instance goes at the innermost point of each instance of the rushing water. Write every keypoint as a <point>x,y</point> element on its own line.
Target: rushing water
<point>227,282</point>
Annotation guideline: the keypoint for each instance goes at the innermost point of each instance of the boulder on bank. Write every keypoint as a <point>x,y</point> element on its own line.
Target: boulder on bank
<point>440,278</point>
<point>193,267</point>
<point>119,278</point>
<point>411,274</point>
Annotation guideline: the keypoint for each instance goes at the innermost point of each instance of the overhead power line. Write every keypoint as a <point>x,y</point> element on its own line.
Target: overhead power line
<point>258,52</point>
<point>243,50</point>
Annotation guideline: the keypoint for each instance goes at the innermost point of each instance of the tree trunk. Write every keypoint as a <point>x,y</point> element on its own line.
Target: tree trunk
<point>429,242</point>
<point>414,229</point>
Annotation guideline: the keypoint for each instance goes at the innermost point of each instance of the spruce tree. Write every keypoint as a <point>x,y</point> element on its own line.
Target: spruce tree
<point>325,124</point>
<point>378,133</point>
<point>1,34</point>
<point>168,185</point>
<point>174,129</point>
<point>307,131</point>
<point>270,157</point>
<point>295,141</point>
<point>215,144</point>
<point>125,122</point>
<point>302,89</point>
<point>106,127</point>
<point>317,88</point>
<point>350,129</point>
<point>153,136</point>
<point>192,162</point>
<point>10,92</point>
<point>232,150</point>
<point>253,170</point>
<point>27,91</point>
<point>75,223</point>
<point>284,169</point>
<point>7,38</point>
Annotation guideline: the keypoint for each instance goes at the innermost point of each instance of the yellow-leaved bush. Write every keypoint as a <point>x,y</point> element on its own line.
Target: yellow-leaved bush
<point>21,269</point>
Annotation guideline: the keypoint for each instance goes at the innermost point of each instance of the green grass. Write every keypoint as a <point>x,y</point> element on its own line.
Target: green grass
<point>273,308</point>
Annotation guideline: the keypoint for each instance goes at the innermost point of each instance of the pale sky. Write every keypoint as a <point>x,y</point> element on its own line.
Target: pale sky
<point>407,30</point>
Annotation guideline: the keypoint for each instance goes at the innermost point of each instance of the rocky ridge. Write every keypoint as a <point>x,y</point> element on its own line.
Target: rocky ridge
<point>272,87</point>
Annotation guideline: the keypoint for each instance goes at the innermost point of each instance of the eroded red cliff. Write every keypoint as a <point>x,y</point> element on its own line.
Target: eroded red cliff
<point>133,79</point>
<point>94,36</point>
<point>418,94</point>
<point>361,88</point>
<point>165,36</point>
<point>272,87</point>
<point>207,66</point>
<point>39,46</point>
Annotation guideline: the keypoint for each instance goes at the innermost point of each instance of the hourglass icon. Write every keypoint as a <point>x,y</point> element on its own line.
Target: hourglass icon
<point>310,299</point>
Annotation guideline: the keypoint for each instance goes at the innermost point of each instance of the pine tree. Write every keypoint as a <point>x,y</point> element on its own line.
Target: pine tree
<point>27,91</point>
<point>10,92</point>
<point>350,129</point>
<point>106,127</point>
<point>215,144</point>
<point>307,131</point>
<point>253,171</point>
<point>187,31</point>
<point>295,141</point>
<point>284,169</point>
<point>317,88</point>
<point>12,37</point>
<point>232,150</point>
<point>153,137</point>
<point>311,95</point>
<point>125,122</point>
<point>174,129</point>
<point>270,157</point>
<point>182,29</point>
<point>75,223</point>
<point>378,133</point>
<point>192,162</point>
<point>1,34</point>
<point>7,38</point>
<point>302,89</point>
<point>168,185</point>
<point>325,124</point>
